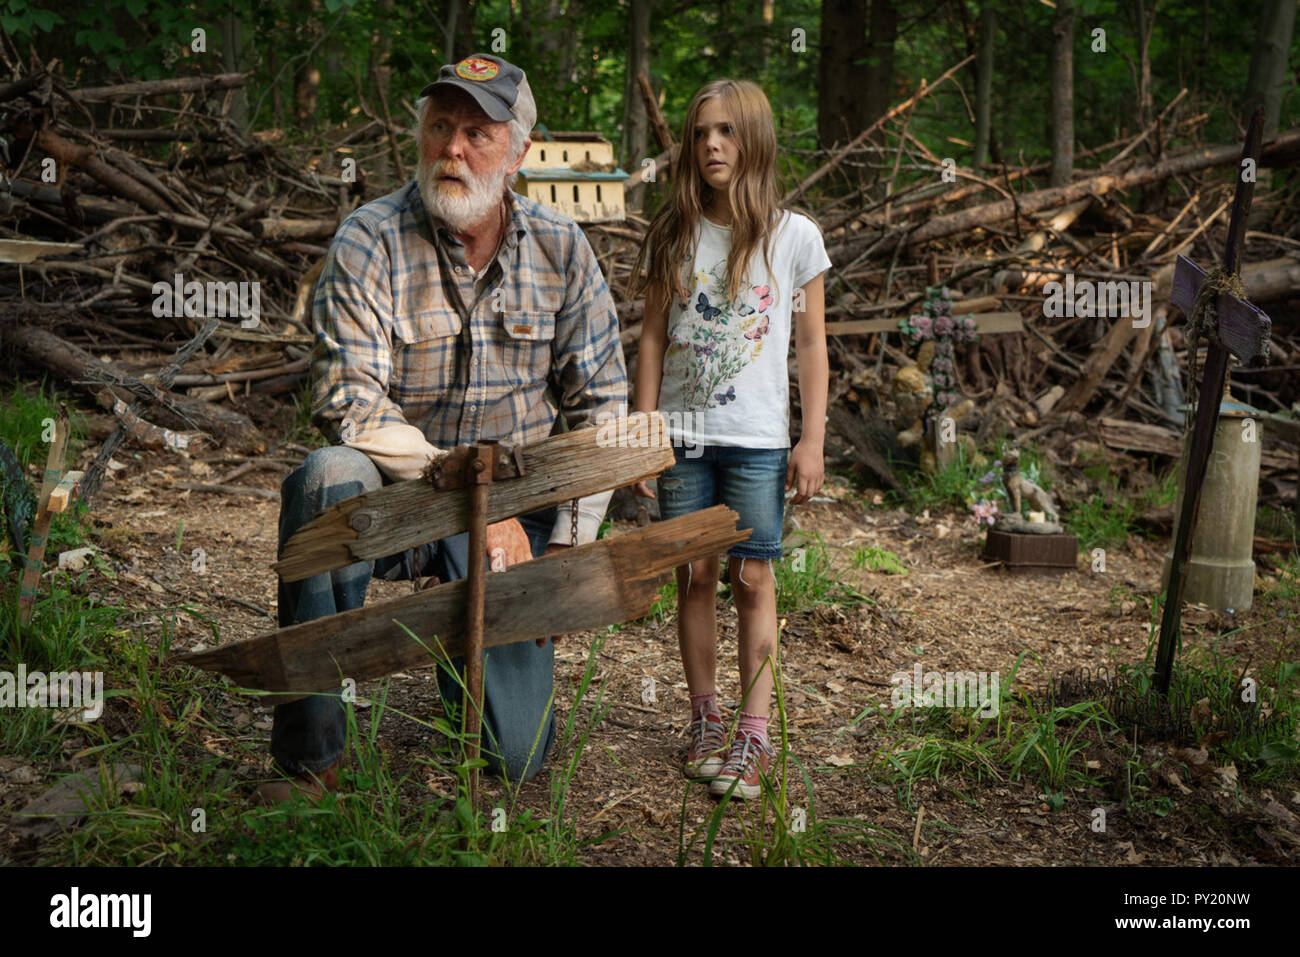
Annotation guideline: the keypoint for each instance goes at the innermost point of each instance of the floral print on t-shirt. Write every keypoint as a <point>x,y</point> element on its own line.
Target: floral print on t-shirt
<point>714,341</point>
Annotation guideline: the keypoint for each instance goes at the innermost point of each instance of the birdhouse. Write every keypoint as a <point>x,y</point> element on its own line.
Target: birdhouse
<point>575,173</point>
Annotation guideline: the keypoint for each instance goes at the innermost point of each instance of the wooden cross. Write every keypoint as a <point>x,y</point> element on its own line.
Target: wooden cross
<point>585,587</point>
<point>1240,330</point>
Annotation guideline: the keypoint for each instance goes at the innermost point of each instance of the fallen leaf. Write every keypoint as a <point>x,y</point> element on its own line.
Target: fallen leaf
<point>1172,777</point>
<point>75,559</point>
<point>1131,856</point>
<point>1213,738</point>
<point>1227,775</point>
<point>1280,813</point>
<point>840,760</point>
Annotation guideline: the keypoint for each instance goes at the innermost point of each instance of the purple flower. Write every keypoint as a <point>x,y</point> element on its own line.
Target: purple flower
<point>943,326</point>
<point>943,348</point>
<point>987,477</point>
<point>922,326</point>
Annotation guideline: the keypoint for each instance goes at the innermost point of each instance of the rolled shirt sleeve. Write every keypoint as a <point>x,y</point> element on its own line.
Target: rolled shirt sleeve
<point>352,357</point>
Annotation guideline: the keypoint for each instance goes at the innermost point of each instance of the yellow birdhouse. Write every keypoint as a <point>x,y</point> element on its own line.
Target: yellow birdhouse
<point>575,173</point>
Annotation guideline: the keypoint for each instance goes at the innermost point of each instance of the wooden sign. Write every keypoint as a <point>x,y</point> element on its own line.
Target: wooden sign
<point>407,514</point>
<point>601,583</point>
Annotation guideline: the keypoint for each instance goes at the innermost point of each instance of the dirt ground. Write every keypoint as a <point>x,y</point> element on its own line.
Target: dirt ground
<point>950,612</point>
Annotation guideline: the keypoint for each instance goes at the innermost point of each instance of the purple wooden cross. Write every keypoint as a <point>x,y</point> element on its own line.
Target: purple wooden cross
<point>1243,331</point>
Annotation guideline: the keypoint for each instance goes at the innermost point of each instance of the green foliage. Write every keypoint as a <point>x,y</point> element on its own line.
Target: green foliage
<point>878,559</point>
<point>1107,518</point>
<point>371,820</point>
<point>804,579</point>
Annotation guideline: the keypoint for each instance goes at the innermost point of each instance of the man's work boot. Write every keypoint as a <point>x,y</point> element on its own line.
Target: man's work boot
<point>311,786</point>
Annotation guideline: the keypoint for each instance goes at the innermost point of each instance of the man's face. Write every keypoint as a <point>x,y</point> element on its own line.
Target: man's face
<point>464,160</point>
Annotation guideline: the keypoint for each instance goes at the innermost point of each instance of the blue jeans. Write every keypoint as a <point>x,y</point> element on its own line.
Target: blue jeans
<point>751,482</point>
<point>309,734</point>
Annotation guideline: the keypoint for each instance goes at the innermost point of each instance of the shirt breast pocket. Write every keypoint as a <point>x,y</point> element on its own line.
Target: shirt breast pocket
<point>526,345</point>
<point>424,359</point>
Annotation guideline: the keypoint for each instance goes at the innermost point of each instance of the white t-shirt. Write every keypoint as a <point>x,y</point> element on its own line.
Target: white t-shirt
<point>726,379</point>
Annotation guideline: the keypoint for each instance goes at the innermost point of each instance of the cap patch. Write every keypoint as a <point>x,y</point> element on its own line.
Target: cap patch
<point>476,68</point>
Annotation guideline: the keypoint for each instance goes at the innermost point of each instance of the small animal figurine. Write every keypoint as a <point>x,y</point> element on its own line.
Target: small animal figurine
<point>1020,488</point>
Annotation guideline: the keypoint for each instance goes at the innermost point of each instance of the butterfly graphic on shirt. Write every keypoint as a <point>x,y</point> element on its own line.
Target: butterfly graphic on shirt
<point>707,350</point>
<point>759,331</point>
<point>709,311</point>
<point>725,397</point>
<point>764,294</point>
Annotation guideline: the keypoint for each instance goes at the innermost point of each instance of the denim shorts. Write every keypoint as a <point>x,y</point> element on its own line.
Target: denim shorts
<point>751,482</point>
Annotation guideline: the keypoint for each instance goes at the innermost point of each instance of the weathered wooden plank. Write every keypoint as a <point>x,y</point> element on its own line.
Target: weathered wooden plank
<point>986,322</point>
<point>55,460</point>
<point>65,493</point>
<point>407,514</point>
<point>1243,329</point>
<point>578,589</point>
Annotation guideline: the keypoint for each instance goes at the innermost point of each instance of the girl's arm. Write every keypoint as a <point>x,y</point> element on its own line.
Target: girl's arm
<point>807,468</point>
<point>650,360</point>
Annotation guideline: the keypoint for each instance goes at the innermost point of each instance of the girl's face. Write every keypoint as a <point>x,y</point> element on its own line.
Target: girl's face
<point>715,148</point>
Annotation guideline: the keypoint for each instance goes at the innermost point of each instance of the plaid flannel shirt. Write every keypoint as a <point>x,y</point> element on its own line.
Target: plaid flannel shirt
<point>414,353</point>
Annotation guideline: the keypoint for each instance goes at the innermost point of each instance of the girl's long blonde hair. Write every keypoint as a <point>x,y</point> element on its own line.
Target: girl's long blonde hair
<point>753,193</point>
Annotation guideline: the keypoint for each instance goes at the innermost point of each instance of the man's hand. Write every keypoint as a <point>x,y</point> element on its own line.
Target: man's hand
<point>805,472</point>
<point>509,542</point>
<point>551,548</point>
<point>643,489</point>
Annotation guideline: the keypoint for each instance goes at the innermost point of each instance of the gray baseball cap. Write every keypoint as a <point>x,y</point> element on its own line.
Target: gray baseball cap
<point>493,82</point>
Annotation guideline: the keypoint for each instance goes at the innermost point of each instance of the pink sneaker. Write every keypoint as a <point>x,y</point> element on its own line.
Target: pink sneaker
<point>747,761</point>
<point>708,743</point>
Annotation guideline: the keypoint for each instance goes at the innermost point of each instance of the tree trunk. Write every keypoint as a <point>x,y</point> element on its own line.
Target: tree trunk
<point>638,58</point>
<point>984,84</point>
<point>1143,20</point>
<point>1062,79</point>
<point>883,31</point>
<point>232,60</point>
<point>841,108</point>
<point>1268,61</point>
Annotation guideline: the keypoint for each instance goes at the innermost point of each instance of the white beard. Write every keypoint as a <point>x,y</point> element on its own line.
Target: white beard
<point>459,206</point>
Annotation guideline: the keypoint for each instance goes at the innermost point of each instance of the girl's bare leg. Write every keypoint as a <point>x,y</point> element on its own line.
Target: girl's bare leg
<point>697,623</point>
<point>754,589</point>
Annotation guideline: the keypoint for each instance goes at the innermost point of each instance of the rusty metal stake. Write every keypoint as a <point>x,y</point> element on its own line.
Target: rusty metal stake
<point>479,479</point>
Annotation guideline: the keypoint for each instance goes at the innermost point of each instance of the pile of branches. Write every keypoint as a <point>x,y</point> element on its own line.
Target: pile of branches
<point>154,180</point>
<point>110,191</point>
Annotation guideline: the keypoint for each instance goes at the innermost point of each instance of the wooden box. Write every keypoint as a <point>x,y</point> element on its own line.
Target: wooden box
<point>1032,552</point>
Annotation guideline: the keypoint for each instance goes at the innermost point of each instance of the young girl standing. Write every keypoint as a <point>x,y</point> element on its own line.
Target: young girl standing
<point>728,272</point>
